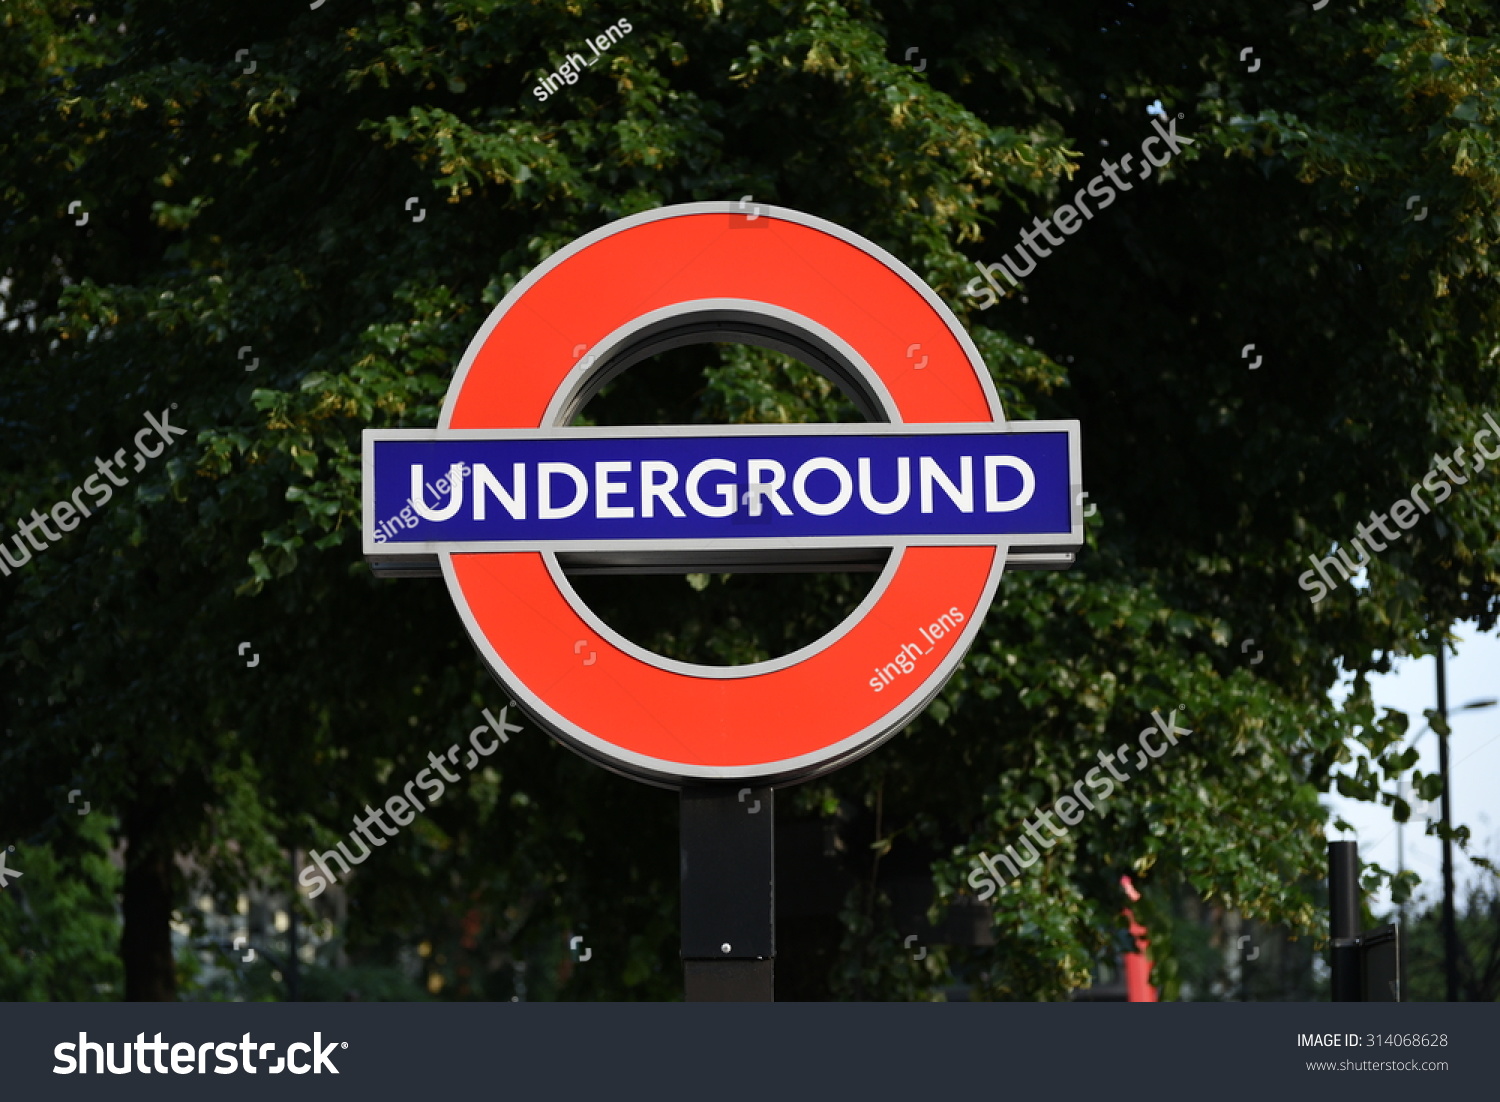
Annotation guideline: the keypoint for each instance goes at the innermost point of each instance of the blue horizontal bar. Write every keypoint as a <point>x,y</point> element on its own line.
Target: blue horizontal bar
<point>576,489</point>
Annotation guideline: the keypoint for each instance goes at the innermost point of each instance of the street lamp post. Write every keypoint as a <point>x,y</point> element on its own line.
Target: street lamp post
<point>1401,854</point>
<point>1450,923</point>
<point>1450,928</point>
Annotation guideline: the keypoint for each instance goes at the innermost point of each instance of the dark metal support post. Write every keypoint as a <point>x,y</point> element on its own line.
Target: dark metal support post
<point>728,894</point>
<point>1450,929</point>
<point>293,964</point>
<point>1343,921</point>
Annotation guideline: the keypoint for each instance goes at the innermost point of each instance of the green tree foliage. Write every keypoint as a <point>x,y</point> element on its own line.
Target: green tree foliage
<point>59,934</point>
<point>1477,920</point>
<point>250,261</point>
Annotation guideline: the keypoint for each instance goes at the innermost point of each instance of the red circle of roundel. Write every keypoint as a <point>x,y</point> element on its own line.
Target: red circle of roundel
<point>670,722</point>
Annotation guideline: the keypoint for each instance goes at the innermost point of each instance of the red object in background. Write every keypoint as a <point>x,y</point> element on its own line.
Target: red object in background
<point>1138,987</point>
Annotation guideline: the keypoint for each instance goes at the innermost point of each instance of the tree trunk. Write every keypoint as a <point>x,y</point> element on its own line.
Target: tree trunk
<point>146,943</point>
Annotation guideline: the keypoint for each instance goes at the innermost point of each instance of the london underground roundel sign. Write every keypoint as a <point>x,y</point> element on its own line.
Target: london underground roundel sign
<point>504,498</point>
